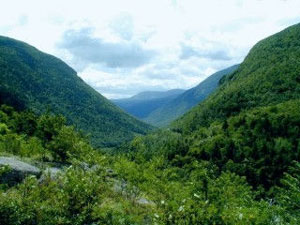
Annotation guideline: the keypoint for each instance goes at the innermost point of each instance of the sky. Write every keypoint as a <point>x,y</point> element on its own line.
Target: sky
<point>123,47</point>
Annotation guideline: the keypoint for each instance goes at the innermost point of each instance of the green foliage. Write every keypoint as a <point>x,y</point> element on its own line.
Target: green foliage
<point>45,137</point>
<point>68,144</point>
<point>259,144</point>
<point>289,192</point>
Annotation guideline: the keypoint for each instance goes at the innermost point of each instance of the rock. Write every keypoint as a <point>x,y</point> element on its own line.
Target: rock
<point>84,166</point>
<point>52,171</point>
<point>18,170</point>
<point>144,201</point>
<point>121,186</point>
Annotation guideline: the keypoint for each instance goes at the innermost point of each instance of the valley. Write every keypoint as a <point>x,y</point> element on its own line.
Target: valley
<point>227,151</point>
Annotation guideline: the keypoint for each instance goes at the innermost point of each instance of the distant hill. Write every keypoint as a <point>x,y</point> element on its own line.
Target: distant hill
<point>149,95</point>
<point>142,104</point>
<point>38,81</point>
<point>163,115</point>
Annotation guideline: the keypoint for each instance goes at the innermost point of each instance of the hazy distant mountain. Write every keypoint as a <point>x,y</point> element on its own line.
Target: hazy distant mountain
<point>148,95</point>
<point>178,106</point>
<point>37,81</point>
<point>142,104</point>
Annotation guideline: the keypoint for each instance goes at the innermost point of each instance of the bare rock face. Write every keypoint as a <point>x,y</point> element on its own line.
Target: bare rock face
<point>17,170</point>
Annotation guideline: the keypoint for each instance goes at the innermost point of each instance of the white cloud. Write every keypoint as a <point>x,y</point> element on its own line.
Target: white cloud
<point>139,45</point>
<point>87,49</point>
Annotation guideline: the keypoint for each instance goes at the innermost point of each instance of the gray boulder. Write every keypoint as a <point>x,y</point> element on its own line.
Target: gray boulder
<point>17,171</point>
<point>53,172</point>
<point>144,201</point>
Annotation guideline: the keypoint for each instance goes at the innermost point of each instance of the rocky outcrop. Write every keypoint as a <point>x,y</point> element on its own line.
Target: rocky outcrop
<point>16,170</point>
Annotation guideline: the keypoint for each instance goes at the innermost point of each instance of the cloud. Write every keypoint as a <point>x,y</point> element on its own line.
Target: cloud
<point>113,85</point>
<point>146,45</point>
<point>18,22</point>
<point>123,26</point>
<point>188,51</point>
<point>289,21</point>
<point>83,47</point>
<point>22,20</point>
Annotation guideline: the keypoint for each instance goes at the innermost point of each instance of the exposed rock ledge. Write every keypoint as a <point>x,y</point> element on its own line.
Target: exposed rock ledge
<point>17,170</point>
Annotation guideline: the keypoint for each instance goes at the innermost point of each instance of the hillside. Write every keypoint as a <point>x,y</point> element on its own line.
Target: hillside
<point>34,80</point>
<point>250,125</point>
<point>184,102</point>
<point>269,75</point>
<point>49,174</point>
<point>142,104</point>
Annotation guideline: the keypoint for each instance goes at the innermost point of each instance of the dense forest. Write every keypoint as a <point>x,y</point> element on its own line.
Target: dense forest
<point>153,182</point>
<point>233,159</point>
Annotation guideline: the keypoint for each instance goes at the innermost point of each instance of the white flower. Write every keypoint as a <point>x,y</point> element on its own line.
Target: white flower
<point>181,208</point>
<point>241,216</point>
<point>197,196</point>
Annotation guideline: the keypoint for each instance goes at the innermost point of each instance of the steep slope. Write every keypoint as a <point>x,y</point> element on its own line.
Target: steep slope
<point>142,104</point>
<point>178,106</point>
<point>269,75</point>
<point>38,81</point>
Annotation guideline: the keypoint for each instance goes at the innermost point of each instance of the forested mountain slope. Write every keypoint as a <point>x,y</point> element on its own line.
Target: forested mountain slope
<point>250,125</point>
<point>34,80</point>
<point>142,104</point>
<point>270,74</point>
<point>184,102</point>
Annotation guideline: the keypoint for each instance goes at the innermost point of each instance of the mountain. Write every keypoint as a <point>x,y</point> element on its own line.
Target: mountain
<point>142,104</point>
<point>34,80</point>
<point>270,74</point>
<point>163,115</point>
<point>250,125</point>
<point>149,95</point>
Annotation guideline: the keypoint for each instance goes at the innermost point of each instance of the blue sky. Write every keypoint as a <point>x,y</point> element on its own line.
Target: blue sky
<point>122,47</point>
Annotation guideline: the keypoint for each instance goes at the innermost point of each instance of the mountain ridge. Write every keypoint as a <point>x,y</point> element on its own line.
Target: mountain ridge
<point>142,104</point>
<point>148,95</point>
<point>36,80</point>
<point>263,70</point>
